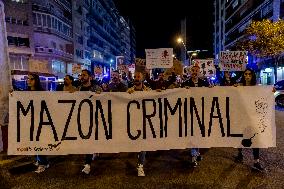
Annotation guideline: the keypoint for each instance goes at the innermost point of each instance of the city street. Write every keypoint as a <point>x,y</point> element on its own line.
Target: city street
<point>164,169</point>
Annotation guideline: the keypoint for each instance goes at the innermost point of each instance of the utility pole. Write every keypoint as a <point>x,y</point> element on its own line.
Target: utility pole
<point>183,36</point>
<point>5,82</point>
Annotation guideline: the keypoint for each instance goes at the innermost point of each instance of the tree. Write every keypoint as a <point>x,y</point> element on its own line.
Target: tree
<point>265,39</point>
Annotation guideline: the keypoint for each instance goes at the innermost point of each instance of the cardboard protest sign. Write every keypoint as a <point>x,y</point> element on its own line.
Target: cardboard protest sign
<point>233,60</point>
<point>206,66</point>
<point>159,58</point>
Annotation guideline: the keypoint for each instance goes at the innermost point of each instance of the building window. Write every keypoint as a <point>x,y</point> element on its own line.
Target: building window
<point>59,26</point>
<point>53,44</point>
<point>79,53</point>
<point>44,20</point>
<point>80,40</point>
<point>19,62</point>
<point>81,25</point>
<point>58,67</point>
<point>48,21</point>
<point>19,1</point>
<point>18,41</point>
<point>8,19</point>
<point>235,4</point>
<point>267,9</point>
<point>16,21</point>
<point>79,10</point>
<point>39,19</point>
<point>61,47</point>
<point>87,55</point>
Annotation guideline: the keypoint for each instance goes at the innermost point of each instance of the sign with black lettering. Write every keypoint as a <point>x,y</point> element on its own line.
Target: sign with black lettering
<point>85,122</point>
<point>233,60</point>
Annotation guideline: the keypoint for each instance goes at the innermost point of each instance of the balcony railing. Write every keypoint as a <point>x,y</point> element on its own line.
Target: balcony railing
<point>52,51</point>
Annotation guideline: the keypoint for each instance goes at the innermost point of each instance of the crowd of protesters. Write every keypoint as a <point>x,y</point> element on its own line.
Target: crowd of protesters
<point>122,83</point>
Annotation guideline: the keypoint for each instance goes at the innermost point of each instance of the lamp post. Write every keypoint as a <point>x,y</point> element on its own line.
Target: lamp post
<point>194,53</point>
<point>183,52</point>
<point>190,58</point>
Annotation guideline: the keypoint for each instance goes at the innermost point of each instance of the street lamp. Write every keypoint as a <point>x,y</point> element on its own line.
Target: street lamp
<point>192,55</point>
<point>183,54</point>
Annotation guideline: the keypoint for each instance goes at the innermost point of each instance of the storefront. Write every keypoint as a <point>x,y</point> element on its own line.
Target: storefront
<point>267,76</point>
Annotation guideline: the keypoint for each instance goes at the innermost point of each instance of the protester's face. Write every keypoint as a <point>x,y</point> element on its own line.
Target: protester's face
<point>79,77</point>
<point>161,76</point>
<point>227,74</point>
<point>67,81</point>
<point>248,76</point>
<point>194,72</point>
<point>123,75</point>
<point>104,86</point>
<point>115,76</point>
<point>31,81</point>
<point>138,78</point>
<point>85,78</point>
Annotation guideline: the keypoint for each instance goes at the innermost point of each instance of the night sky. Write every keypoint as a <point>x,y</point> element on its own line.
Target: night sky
<point>157,23</point>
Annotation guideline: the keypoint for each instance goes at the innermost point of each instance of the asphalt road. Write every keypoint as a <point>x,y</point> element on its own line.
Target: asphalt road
<point>164,169</point>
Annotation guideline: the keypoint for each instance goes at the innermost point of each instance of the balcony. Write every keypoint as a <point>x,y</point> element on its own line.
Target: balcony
<point>66,4</point>
<point>53,52</point>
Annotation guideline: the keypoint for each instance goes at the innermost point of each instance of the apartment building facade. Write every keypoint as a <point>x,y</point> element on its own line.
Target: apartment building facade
<point>19,27</point>
<point>232,17</point>
<point>59,37</point>
<point>109,35</point>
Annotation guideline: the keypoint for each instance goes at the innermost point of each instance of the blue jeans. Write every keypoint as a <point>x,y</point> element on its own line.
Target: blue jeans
<point>89,159</point>
<point>42,160</point>
<point>194,152</point>
<point>141,157</point>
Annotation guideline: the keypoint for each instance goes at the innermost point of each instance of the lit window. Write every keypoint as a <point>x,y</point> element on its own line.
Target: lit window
<point>19,1</point>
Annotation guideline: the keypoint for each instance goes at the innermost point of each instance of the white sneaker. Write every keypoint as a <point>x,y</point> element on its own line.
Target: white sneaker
<point>87,169</point>
<point>42,168</point>
<point>36,163</point>
<point>140,170</point>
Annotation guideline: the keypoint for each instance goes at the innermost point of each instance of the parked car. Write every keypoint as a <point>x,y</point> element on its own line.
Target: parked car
<point>279,94</point>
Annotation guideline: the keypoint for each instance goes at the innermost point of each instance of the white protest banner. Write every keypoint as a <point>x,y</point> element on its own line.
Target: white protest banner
<point>233,60</point>
<point>207,67</point>
<point>85,122</point>
<point>159,58</point>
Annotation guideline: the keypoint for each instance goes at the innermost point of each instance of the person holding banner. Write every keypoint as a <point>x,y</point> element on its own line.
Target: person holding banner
<point>87,85</point>
<point>138,86</point>
<point>195,81</point>
<point>227,80</point>
<point>249,79</point>
<point>160,83</point>
<point>68,84</point>
<point>116,85</point>
<point>34,84</point>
